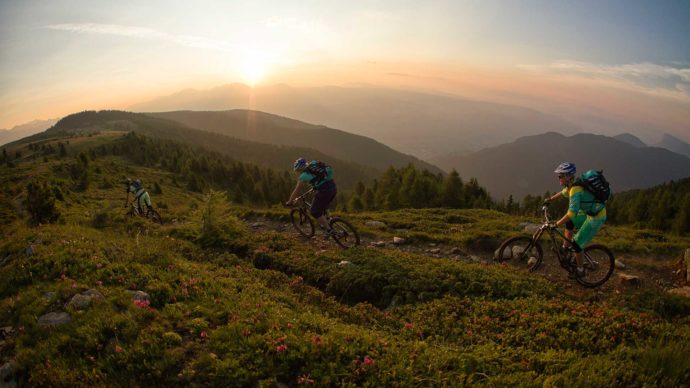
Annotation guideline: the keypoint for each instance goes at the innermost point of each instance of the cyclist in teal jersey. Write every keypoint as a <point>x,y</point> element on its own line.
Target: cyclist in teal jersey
<point>585,213</point>
<point>320,177</point>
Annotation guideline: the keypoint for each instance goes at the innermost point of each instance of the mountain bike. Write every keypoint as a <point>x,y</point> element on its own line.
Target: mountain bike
<point>150,213</point>
<point>598,261</point>
<point>345,234</point>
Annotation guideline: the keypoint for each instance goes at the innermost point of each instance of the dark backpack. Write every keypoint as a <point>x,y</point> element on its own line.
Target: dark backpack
<point>319,170</point>
<point>595,182</point>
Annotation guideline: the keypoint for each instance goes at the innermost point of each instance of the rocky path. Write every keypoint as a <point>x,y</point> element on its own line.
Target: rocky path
<point>632,273</point>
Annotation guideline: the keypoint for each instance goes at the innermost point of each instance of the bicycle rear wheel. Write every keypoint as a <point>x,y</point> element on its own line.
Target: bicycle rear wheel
<point>302,222</point>
<point>598,263</point>
<point>345,234</point>
<point>521,251</point>
<point>154,216</point>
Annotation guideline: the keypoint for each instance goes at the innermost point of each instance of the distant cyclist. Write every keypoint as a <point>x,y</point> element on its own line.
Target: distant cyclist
<point>320,177</point>
<point>585,212</point>
<point>141,196</point>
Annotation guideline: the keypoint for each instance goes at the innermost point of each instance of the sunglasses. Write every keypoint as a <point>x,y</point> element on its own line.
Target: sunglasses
<point>563,176</point>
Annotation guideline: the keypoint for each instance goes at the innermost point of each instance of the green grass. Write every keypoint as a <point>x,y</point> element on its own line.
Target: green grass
<point>257,308</point>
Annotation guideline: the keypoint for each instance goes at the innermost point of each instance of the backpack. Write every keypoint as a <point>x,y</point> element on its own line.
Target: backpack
<point>319,170</point>
<point>595,182</point>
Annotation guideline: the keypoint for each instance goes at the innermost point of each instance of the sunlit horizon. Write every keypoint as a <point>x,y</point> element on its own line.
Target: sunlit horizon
<point>619,61</point>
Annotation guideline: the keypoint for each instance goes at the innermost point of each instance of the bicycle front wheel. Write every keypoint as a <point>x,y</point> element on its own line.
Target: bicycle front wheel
<point>345,234</point>
<point>302,222</point>
<point>521,251</point>
<point>598,263</point>
<point>154,216</point>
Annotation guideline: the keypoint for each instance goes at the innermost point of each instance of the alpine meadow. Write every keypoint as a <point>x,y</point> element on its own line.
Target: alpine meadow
<point>379,194</point>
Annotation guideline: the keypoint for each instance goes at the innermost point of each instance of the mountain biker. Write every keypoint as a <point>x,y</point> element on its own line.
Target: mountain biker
<point>141,196</point>
<point>320,177</point>
<point>585,213</point>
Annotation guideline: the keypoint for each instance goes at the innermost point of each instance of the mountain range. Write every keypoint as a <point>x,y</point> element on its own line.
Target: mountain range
<point>526,165</point>
<point>422,124</point>
<point>20,131</point>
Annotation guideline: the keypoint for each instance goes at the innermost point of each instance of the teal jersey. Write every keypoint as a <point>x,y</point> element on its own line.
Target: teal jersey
<point>310,178</point>
<point>582,201</point>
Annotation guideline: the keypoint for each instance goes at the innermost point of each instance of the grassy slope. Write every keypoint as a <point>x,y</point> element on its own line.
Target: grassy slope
<point>215,318</point>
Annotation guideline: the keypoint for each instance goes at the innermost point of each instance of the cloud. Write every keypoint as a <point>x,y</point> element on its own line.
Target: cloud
<point>144,33</point>
<point>647,77</point>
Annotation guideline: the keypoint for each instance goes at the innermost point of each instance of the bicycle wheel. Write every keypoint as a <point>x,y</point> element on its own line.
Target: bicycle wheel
<point>521,251</point>
<point>345,234</point>
<point>598,263</point>
<point>302,222</point>
<point>154,216</point>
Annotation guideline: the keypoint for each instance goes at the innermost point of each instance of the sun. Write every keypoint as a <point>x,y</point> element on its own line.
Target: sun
<point>254,68</point>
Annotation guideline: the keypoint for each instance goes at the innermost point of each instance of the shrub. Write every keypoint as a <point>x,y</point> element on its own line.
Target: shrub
<point>40,203</point>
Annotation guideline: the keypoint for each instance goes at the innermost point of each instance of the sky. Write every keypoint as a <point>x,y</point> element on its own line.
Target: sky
<point>616,60</point>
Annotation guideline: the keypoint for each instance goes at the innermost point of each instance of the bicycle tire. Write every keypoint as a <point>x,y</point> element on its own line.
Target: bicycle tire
<point>524,255</point>
<point>346,235</point>
<point>594,263</point>
<point>302,222</point>
<point>154,216</point>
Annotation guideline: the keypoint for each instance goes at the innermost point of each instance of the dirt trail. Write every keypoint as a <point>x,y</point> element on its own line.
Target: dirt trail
<point>651,272</point>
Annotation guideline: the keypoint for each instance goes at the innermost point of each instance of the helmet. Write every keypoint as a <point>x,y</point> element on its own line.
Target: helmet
<point>566,168</point>
<point>300,164</point>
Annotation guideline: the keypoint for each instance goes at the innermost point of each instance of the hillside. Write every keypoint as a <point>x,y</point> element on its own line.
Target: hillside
<point>421,124</point>
<point>225,292</point>
<point>526,165</point>
<point>277,157</point>
<point>267,128</point>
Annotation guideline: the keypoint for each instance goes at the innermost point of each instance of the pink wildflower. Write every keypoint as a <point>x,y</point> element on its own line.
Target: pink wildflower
<point>305,379</point>
<point>289,325</point>
<point>368,360</point>
<point>99,283</point>
<point>246,333</point>
<point>142,303</point>
<point>408,325</point>
<point>316,340</point>
<point>118,349</point>
<point>281,348</point>
<point>203,334</point>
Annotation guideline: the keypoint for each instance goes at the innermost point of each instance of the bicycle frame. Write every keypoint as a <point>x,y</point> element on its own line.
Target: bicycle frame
<point>552,232</point>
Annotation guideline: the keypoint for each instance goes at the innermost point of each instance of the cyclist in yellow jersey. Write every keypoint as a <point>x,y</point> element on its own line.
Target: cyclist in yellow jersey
<point>585,212</point>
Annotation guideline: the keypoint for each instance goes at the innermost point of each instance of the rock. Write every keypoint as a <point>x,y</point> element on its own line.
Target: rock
<point>257,225</point>
<point>620,264</point>
<point>475,259</point>
<point>378,243</point>
<point>5,372</point>
<point>376,224</point>
<point>456,251</point>
<point>344,263</point>
<point>48,295</point>
<point>83,300</point>
<point>435,251</point>
<point>432,245</point>
<point>681,291</point>
<point>54,319</point>
<point>30,250</point>
<point>516,251</point>
<point>531,228</point>
<point>6,331</point>
<point>629,280</point>
<point>457,229</point>
<point>138,295</point>
<point>398,240</point>
<point>532,261</point>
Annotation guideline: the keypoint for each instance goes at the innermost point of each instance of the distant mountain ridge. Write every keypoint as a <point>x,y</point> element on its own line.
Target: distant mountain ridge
<point>630,139</point>
<point>20,131</point>
<point>526,165</point>
<point>416,123</point>
<point>674,144</point>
